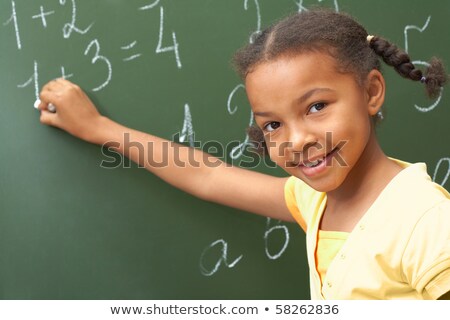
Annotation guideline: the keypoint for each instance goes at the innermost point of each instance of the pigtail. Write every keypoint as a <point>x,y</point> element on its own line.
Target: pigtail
<point>434,78</point>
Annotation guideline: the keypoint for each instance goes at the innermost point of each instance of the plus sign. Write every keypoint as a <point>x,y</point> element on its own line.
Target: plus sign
<point>64,75</point>
<point>42,15</point>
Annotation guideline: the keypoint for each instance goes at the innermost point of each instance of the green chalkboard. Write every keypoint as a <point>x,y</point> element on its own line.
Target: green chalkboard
<point>70,228</point>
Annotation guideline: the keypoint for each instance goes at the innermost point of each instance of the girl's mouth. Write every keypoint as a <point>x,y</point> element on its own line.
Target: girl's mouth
<point>311,168</point>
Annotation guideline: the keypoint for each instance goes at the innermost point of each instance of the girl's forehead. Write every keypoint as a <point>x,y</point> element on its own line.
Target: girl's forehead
<point>286,69</point>
<point>286,79</point>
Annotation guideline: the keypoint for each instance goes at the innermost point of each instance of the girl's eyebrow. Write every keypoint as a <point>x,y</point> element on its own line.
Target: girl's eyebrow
<point>311,92</point>
<point>263,114</point>
<point>301,100</point>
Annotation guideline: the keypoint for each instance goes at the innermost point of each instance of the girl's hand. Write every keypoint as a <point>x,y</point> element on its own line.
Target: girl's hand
<point>75,112</point>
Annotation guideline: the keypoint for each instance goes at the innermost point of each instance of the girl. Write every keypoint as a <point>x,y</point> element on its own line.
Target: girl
<point>376,227</point>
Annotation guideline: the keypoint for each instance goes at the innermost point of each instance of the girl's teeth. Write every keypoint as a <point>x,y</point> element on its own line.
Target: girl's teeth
<point>312,164</point>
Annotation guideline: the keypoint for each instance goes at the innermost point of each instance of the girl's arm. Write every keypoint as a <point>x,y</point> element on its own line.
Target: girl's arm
<point>188,169</point>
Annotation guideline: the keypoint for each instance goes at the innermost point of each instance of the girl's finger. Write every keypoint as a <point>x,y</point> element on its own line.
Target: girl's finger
<point>49,118</point>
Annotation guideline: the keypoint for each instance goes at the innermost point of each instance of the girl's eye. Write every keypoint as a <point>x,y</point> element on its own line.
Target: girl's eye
<point>316,107</point>
<point>271,126</point>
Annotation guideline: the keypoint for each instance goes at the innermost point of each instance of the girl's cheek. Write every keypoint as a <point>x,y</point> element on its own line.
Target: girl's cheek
<point>277,156</point>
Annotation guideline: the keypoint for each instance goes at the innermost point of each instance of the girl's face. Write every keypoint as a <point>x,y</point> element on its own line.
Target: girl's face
<point>316,120</point>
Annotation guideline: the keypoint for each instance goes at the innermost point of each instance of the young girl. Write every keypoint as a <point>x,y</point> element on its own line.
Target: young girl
<point>376,227</point>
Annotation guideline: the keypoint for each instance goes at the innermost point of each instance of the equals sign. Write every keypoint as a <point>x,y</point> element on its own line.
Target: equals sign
<point>129,47</point>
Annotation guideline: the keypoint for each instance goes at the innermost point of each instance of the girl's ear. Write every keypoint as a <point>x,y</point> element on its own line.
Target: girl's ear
<point>375,89</point>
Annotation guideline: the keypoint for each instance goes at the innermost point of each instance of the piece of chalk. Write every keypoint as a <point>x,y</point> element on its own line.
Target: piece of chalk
<point>50,106</point>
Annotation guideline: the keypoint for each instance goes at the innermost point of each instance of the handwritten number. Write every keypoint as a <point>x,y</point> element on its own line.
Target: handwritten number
<point>412,27</point>
<point>159,47</point>
<point>239,150</point>
<point>174,48</point>
<point>33,79</point>
<point>70,27</point>
<point>422,63</point>
<point>150,6</point>
<point>435,104</point>
<point>13,18</point>
<point>438,166</point>
<point>258,19</point>
<point>97,57</point>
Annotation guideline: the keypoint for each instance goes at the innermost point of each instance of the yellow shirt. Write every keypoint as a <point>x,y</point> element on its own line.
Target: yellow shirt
<point>400,249</point>
<point>329,243</point>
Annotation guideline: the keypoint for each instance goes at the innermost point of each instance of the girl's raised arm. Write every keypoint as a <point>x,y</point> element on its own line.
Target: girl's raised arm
<point>188,169</point>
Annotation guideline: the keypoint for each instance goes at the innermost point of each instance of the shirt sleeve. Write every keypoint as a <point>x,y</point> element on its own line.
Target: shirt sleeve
<point>291,201</point>
<point>426,260</point>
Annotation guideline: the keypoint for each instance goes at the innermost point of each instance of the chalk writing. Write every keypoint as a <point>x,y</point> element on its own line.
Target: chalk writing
<point>159,46</point>
<point>222,260</point>
<point>223,247</point>
<point>413,27</point>
<point>70,27</point>
<point>13,19</point>
<point>436,170</point>
<point>230,98</point>
<point>42,16</point>
<point>97,57</point>
<point>187,133</point>
<point>174,48</point>
<point>436,102</point>
<point>268,232</point>
<point>422,63</point>
<point>64,75</point>
<point>33,79</point>
<point>258,19</point>
<point>129,47</point>
<point>301,8</point>
<point>237,151</point>
<point>150,6</point>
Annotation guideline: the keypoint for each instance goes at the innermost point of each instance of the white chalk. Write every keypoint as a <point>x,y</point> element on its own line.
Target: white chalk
<point>50,106</point>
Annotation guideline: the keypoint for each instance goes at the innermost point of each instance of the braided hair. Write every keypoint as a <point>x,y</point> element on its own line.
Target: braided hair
<point>434,77</point>
<point>339,35</point>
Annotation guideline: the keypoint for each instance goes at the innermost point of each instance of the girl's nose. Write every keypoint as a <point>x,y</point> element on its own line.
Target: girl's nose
<point>301,139</point>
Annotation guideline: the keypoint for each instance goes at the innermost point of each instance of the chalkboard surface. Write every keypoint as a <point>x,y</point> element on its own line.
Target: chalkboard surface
<point>72,226</point>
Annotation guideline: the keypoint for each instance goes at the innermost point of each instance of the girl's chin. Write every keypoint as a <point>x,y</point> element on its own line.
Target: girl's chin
<point>326,184</point>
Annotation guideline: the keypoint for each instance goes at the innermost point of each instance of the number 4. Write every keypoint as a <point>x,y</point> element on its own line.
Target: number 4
<point>159,48</point>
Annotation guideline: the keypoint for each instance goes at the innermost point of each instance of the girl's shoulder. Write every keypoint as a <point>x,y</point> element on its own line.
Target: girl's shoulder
<point>415,184</point>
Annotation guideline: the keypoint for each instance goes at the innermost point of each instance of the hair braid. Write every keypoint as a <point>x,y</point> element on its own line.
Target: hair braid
<point>396,58</point>
<point>434,78</point>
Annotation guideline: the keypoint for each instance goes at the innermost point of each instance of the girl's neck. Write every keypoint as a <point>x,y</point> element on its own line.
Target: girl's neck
<point>369,176</point>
